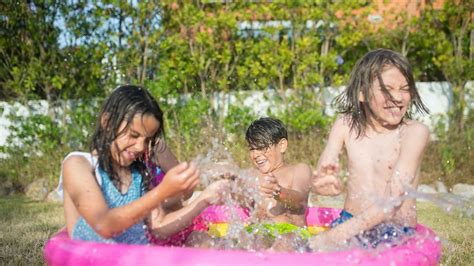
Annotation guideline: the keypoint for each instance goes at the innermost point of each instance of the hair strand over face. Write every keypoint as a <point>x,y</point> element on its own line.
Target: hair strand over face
<point>122,106</point>
<point>366,70</point>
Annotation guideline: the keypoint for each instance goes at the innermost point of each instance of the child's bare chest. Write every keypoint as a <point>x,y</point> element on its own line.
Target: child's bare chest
<point>283,177</point>
<point>373,157</point>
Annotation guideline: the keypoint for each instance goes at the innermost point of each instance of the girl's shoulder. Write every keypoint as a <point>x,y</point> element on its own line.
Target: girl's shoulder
<point>79,154</point>
<point>82,161</point>
<point>78,161</point>
<point>77,157</point>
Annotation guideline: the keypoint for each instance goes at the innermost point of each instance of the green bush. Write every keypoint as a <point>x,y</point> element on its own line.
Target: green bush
<point>449,157</point>
<point>37,144</point>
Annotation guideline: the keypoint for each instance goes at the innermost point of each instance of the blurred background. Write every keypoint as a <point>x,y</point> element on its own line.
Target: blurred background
<point>215,66</point>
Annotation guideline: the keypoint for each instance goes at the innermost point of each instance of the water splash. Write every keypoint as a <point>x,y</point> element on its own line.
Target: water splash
<point>446,201</point>
<point>217,163</point>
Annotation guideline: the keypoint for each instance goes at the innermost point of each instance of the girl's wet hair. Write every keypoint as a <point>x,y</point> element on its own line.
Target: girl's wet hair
<point>366,71</point>
<point>122,105</point>
<point>264,132</point>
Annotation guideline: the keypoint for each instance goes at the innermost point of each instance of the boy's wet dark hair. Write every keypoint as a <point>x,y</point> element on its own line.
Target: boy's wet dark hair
<point>264,132</point>
<point>121,106</point>
<point>366,71</point>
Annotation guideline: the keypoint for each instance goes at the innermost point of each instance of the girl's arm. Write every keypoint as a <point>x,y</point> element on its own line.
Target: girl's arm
<point>86,196</point>
<point>165,224</point>
<point>164,157</point>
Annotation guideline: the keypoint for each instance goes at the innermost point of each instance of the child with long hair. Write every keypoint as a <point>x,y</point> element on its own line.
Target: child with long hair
<point>384,149</point>
<point>107,192</point>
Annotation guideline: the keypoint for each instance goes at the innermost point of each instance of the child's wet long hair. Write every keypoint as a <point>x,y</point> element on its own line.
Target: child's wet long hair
<point>122,105</point>
<point>264,132</point>
<point>366,71</point>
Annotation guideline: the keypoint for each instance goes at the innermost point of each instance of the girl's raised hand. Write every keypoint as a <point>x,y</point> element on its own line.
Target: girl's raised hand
<point>182,178</point>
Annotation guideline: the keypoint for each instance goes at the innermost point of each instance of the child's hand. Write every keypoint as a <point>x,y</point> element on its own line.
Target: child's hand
<point>325,182</point>
<point>182,178</point>
<point>215,192</point>
<point>269,188</point>
<point>217,171</point>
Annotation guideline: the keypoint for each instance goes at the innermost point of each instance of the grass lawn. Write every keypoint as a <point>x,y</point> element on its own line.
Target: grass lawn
<point>455,230</point>
<point>26,225</point>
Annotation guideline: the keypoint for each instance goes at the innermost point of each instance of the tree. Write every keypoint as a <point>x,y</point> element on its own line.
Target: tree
<point>448,33</point>
<point>31,56</point>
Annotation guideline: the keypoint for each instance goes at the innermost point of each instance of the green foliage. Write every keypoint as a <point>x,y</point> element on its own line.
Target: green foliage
<point>445,34</point>
<point>34,133</point>
<point>238,119</point>
<point>79,124</point>
<point>185,121</point>
<point>304,113</point>
<point>449,157</point>
<point>57,50</point>
<point>37,144</point>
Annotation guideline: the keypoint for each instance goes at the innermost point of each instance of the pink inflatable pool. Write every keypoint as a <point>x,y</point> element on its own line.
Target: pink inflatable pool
<point>422,249</point>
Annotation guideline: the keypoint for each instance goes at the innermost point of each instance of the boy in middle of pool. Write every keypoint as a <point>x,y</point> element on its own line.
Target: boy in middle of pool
<point>284,188</point>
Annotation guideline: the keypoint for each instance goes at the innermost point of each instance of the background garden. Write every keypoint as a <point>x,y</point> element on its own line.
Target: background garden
<point>70,54</point>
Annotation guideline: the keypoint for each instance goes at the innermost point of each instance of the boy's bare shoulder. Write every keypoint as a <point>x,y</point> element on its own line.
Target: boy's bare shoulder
<point>342,125</point>
<point>301,170</point>
<point>301,177</point>
<point>343,120</point>
<point>415,129</point>
<point>302,167</point>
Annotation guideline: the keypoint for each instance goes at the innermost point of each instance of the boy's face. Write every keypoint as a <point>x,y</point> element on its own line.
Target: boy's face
<point>269,159</point>
<point>388,113</point>
<point>131,144</point>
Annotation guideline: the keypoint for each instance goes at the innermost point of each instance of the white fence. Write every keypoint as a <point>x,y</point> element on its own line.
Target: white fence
<point>436,95</point>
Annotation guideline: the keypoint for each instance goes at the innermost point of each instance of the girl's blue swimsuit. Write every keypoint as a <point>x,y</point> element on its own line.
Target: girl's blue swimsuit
<point>133,235</point>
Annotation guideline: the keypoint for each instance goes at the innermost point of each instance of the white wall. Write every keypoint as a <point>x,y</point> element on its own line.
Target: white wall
<point>436,95</point>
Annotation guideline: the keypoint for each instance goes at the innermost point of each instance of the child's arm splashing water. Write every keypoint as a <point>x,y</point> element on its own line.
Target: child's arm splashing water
<point>325,180</point>
<point>397,207</point>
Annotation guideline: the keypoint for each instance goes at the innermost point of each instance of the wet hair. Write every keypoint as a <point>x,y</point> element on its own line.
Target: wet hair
<point>264,132</point>
<point>369,68</point>
<point>122,105</point>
